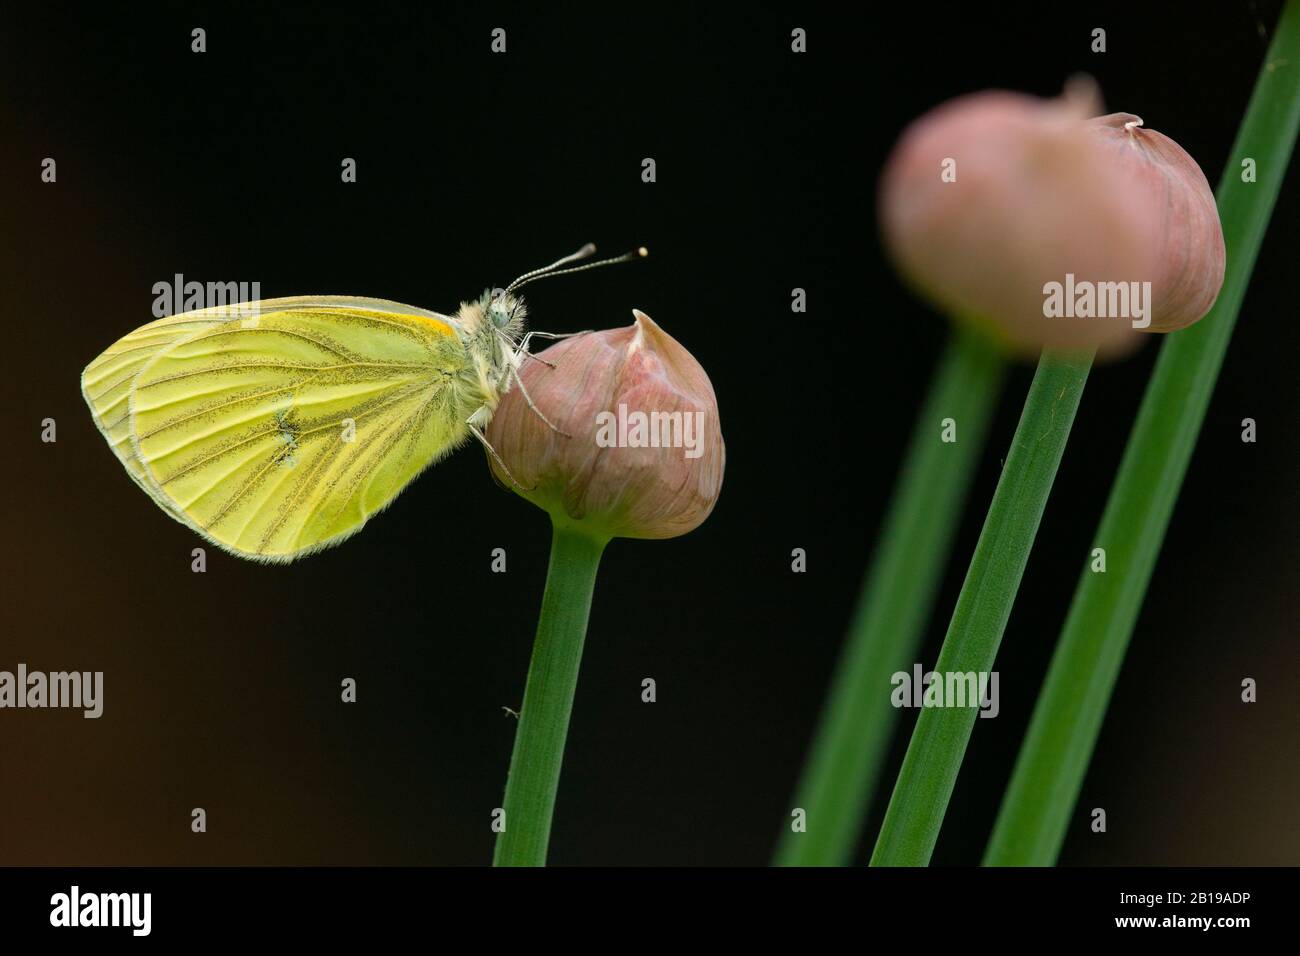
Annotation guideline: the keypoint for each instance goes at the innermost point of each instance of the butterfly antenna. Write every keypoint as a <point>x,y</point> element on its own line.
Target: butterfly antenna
<point>554,268</point>
<point>584,252</point>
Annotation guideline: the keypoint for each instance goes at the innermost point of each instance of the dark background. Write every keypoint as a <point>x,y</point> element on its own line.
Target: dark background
<point>222,689</point>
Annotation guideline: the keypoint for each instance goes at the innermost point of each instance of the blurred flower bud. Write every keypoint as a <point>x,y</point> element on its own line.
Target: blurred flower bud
<point>991,198</point>
<point>646,457</point>
<point>1190,258</point>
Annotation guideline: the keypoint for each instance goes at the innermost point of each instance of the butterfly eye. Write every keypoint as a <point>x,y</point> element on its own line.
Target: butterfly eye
<point>501,310</point>
<point>496,307</point>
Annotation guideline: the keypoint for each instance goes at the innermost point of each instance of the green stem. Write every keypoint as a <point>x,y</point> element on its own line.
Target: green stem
<point>1068,716</point>
<point>857,722</point>
<point>548,699</point>
<point>938,743</point>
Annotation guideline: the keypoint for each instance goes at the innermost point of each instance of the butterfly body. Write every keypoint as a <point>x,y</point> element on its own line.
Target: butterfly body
<point>277,428</point>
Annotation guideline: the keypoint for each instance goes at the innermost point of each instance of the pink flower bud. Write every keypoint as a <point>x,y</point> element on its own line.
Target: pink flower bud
<point>645,457</point>
<point>992,197</point>
<point>1190,256</point>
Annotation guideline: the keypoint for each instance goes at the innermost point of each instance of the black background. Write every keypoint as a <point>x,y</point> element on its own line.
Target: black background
<point>222,689</point>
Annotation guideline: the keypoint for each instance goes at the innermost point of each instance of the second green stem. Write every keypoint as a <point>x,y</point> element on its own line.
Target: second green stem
<point>938,744</point>
<point>857,722</point>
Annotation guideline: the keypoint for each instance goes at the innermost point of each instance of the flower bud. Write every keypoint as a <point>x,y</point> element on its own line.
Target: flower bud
<point>643,455</point>
<point>1189,254</point>
<point>989,199</point>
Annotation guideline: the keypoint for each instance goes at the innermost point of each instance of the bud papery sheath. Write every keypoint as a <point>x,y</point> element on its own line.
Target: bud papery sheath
<point>1189,264</point>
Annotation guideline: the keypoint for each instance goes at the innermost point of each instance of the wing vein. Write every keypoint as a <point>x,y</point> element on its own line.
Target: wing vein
<point>280,365</point>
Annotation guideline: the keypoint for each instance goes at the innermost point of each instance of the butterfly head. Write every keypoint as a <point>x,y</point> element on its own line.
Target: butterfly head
<point>503,309</point>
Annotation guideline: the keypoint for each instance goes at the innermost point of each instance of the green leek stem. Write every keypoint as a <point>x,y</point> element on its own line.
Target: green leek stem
<point>1049,772</point>
<point>548,699</point>
<point>938,744</point>
<point>857,722</point>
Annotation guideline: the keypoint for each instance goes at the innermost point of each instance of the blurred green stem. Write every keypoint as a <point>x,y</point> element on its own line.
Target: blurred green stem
<point>938,743</point>
<point>548,699</point>
<point>1072,706</point>
<point>857,721</point>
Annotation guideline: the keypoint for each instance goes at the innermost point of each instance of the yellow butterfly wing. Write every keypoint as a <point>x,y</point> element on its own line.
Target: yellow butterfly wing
<point>106,382</point>
<point>277,434</point>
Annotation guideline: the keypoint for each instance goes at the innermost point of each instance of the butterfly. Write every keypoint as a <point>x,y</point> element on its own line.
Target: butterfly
<point>277,428</point>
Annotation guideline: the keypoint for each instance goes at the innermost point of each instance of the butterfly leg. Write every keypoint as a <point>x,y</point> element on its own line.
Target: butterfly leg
<point>514,371</point>
<point>524,354</point>
<point>519,352</point>
<point>523,346</point>
<point>522,351</point>
<point>474,430</point>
